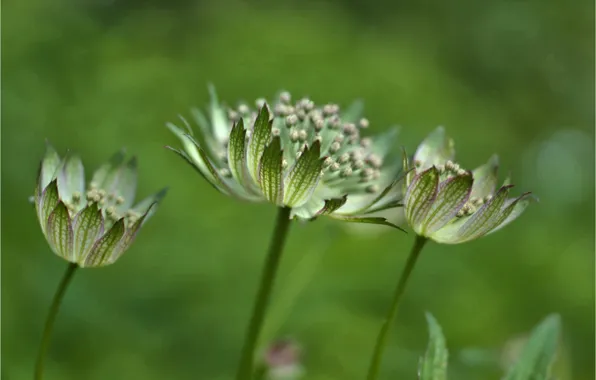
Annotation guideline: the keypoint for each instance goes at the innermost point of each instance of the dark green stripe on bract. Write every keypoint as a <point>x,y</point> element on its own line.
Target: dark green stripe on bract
<point>59,231</point>
<point>49,200</point>
<point>260,137</point>
<point>236,152</point>
<point>270,172</point>
<point>103,248</point>
<point>87,226</point>
<point>420,196</point>
<point>332,205</point>
<point>367,220</point>
<point>453,194</point>
<point>305,175</point>
<point>478,222</point>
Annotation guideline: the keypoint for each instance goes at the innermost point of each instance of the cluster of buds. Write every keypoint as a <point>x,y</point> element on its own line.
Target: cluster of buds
<point>310,158</point>
<point>94,229</point>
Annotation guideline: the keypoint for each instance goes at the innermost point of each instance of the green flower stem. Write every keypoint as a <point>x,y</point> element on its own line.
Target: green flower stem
<point>245,367</point>
<point>47,330</point>
<point>375,363</point>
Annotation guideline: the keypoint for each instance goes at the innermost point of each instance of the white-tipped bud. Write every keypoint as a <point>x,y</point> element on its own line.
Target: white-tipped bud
<point>363,123</point>
<point>119,200</point>
<point>243,109</point>
<point>93,185</point>
<point>275,132</point>
<point>110,211</point>
<point>285,97</point>
<point>344,158</point>
<point>372,188</point>
<point>374,160</point>
<point>328,162</point>
<point>358,164</point>
<point>367,172</point>
<point>339,138</point>
<point>301,114</point>
<point>284,163</point>
<point>302,135</point>
<point>319,124</point>
<point>349,128</point>
<point>346,172</point>
<point>294,136</point>
<point>334,122</point>
<point>335,146</point>
<point>450,166</point>
<point>260,102</point>
<point>330,109</point>
<point>461,172</point>
<point>334,167</point>
<point>291,120</point>
<point>280,109</point>
<point>233,115</point>
<point>318,138</point>
<point>366,142</point>
<point>440,168</point>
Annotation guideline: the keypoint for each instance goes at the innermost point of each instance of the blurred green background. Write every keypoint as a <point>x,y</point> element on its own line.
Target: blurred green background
<point>512,77</point>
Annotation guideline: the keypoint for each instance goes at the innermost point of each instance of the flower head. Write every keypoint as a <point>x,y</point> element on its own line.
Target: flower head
<point>310,158</point>
<point>282,360</point>
<point>90,226</point>
<point>452,205</point>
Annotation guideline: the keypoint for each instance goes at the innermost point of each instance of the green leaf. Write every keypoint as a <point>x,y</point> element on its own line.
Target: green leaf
<point>433,365</point>
<point>47,202</point>
<point>332,205</point>
<point>270,172</point>
<point>50,164</point>
<point>366,220</point>
<point>71,178</point>
<point>420,197</point>
<point>538,354</point>
<point>485,178</point>
<point>104,247</point>
<point>452,195</point>
<point>59,232</point>
<point>237,152</point>
<point>88,225</point>
<point>259,139</point>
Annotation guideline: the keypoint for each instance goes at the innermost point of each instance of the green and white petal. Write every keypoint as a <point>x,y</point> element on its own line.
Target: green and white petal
<point>452,195</point>
<point>101,175</point>
<point>48,200</point>
<point>219,121</point>
<point>436,149</point>
<point>71,178</point>
<point>304,176</point>
<point>104,247</point>
<point>485,178</point>
<point>237,152</point>
<point>420,196</point>
<point>271,172</point>
<point>512,209</point>
<point>88,226</point>
<point>486,218</point>
<point>50,164</point>
<point>60,233</point>
<point>127,184</point>
<point>148,205</point>
<point>130,234</point>
<point>259,139</point>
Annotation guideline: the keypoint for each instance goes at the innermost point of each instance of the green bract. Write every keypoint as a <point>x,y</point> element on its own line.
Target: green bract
<point>451,205</point>
<point>299,155</point>
<point>90,227</point>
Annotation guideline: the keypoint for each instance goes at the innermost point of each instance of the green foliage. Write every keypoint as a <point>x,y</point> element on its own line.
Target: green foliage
<point>535,360</point>
<point>433,365</point>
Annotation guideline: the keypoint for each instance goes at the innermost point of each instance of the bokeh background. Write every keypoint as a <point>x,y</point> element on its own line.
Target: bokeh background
<point>512,77</point>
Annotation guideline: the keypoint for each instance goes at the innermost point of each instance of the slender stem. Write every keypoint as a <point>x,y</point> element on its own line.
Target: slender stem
<point>245,367</point>
<point>47,330</point>
<point>375,363</point>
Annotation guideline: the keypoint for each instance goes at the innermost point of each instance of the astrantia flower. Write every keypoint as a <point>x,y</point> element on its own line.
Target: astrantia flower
<point>90,226</point>
<point>309,158</point>
<point>451,205</point>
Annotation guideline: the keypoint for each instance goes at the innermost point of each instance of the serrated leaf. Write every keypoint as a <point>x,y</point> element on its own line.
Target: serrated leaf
<point>453,193</point>
<point>538,354</point>
<point>270,172</point>
<point>433,365</point>
<point>237,152</point>
<point>259,139</point>
<point>420,197</point>
<point>103,248</point>
<point>59,231</point>
<point>304,176</point>
<point>88,225</point>
<point>367,220</point>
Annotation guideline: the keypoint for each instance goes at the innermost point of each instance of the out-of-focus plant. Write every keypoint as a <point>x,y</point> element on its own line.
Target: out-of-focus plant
<point>87,226</point>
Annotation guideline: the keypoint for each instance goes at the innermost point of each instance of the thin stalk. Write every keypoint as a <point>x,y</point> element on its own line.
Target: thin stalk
<point>375,363</point>
<point>245,367</point>
<point>47,330</point>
